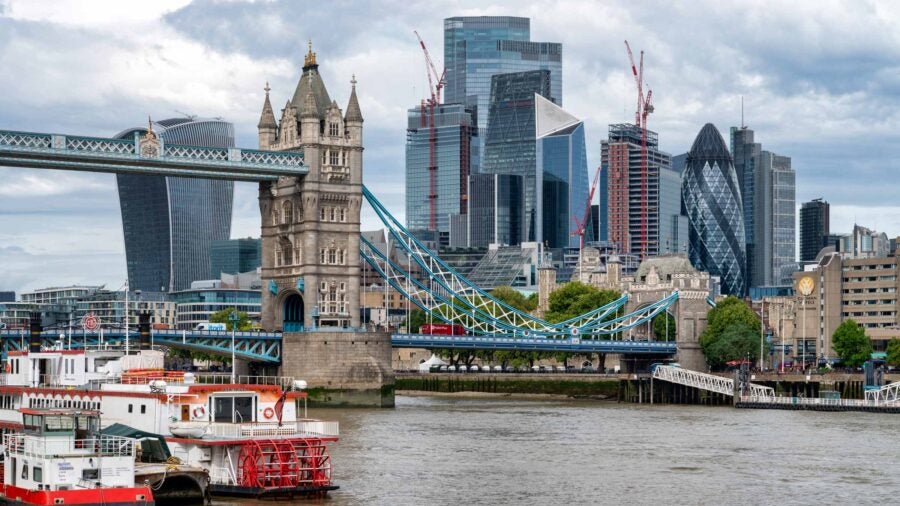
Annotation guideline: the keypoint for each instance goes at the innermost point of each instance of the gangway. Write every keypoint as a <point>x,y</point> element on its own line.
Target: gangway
<point>888,394</point>
<point>704,381</point>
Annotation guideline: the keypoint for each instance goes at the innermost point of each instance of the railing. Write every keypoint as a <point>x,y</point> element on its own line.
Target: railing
<point>815,401</point>
<point>222,475</point>
<point>300,428</point>
<point>888,394</point>
<point>704,381</point>
<point>41,447</point>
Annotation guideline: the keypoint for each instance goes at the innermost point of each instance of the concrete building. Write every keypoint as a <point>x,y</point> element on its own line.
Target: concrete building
<point>110,308</point>
<point>644,214</point>
<point>863,243</point>
<point>815,216</point>
<point>835,289</point>
<point>311,223</point>
<point>454,132</point>
<point>476,48</point>
<point>169,223</point>
<point>58,295</point>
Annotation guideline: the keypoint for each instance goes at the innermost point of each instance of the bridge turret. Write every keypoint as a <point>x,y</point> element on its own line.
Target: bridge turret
<point>353,119</point>
<point>267,126</point>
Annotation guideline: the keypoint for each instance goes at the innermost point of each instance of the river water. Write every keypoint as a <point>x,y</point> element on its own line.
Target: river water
<point>440,450</point>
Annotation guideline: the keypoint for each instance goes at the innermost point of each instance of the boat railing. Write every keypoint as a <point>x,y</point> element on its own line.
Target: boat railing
<point>815,401</point>
<point>42,447</point>
<point>299,428</point>
<point>222,475</point>
<point>177,377</point>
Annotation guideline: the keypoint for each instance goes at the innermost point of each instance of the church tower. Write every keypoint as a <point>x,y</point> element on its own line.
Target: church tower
<point>310,223</point>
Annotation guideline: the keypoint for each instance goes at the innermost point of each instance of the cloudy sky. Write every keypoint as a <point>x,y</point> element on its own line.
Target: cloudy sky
<point>820,81</point>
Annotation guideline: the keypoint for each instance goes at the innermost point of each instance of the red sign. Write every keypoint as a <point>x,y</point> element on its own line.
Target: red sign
<point>90,322</point>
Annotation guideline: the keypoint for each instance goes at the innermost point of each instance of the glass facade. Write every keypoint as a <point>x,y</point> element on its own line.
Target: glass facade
<point>814,228</point>
<point>561,162</point>
<point>712,200</point>
<point>784,228</point>
<point>169,223</point>
<point>234,256</point>
<point>479,47</point>
<point>454,147</point>
<point>510,145</point>
<point>196,306</point>
<point>495,209</point>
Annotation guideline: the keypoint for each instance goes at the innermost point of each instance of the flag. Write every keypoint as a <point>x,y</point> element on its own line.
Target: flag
<point>279,406</point>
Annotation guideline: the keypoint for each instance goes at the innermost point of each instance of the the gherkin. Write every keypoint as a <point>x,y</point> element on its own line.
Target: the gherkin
<point>712,201</point>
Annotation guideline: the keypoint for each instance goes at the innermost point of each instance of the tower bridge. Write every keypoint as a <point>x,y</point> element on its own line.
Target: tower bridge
<point>309,170</point>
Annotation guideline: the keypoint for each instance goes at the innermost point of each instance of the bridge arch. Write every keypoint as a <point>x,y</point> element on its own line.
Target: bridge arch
<point>292,311</point>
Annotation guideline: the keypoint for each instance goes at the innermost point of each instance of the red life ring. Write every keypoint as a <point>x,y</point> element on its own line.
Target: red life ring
<point>268,412</point>
<point>8,368</point>
<point>199,411</point>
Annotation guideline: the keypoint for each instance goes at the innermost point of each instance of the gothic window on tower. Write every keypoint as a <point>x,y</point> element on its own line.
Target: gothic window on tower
<point>333,129</point>
<point>288,211</point>
<point>331,214</point>
<point>334,158</point>
<point>322,213</point>
<point>275,215</point>
<point>297,256</point>
<point>287,253</point>
<point>343,214</point>
<point>277,255</point>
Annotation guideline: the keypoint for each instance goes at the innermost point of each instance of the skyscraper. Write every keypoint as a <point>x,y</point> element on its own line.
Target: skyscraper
<point>561,172</point>
<point>454,131</point>
<point>477,48</point>
<point>768,194</point>
<point>234,256</point>
<point>510,144</point>
<point>711,197</point>
<point>645,225</point>
<point>496,206</point>
<point>170,222</point>
<point>814,228</point>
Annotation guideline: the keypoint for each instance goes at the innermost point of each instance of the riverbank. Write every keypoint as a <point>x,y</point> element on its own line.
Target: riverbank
<point>577,388</point>
<point>500,395</point>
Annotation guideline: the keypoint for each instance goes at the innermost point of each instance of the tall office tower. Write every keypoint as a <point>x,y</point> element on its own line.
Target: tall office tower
<point>453,139</point>
<point>170,222</point>
<point>712,200</point>
<point>641,230</point>
<point>561,173</point>
<point>603,208</point>
<point>477,48</point>
<point>234,256</point>
<point>510,147</point>
<point>496,206</point>
<point>768,194</point>
<point>815,216</point>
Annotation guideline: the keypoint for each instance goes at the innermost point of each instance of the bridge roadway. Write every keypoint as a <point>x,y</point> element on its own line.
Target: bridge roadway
<point>266,346</point>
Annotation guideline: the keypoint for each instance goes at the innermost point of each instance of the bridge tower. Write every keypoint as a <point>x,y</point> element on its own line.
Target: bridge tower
<point>310,224</point>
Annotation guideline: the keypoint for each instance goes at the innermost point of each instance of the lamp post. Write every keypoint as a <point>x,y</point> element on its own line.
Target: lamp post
<point>762,326</point>
<point>234,318</point>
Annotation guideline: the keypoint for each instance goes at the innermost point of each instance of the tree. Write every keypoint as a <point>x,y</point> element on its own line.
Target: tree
<point>738,342</point>
<point>514,298</point>
<point>893,352</point>
<point>727,313</point>
<point>414,320</point>
<point>851,344</point>
<point>576,298</point>
<point>660,327</point>
<point>224,316</point>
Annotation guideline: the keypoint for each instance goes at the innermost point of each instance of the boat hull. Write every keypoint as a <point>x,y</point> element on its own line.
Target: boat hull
<point>134,496</point>
<point>219,490</point>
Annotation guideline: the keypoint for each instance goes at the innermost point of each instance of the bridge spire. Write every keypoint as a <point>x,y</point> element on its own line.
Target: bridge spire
<point>353,111</point>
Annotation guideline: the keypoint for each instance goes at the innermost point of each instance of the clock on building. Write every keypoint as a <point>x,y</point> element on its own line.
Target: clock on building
<point>806,285</point>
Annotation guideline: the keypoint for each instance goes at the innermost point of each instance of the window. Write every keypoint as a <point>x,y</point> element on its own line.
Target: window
<point>277,256</point>
<point>341,257</point>
<point>143,409</point>
<point>334,158</point>
<point>324,256</point>
<point>38,475</point>
<point>323,212</point>
<point>343,214</point>
<point>275,217</point>
<point>287,212</point>
<point>131,408</point>
<point>332,214</point>
<point>333,129</point>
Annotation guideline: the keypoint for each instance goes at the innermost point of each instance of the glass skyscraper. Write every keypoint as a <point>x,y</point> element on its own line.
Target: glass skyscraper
<point>711,197</point>
<point>454,131</point>
<point>169,223</point>
<point>479,47</point>
<point>815,227</point>
<point>510,144</point>
<point>496,205</point>
<point>561,173</point>
<point>234,256</point>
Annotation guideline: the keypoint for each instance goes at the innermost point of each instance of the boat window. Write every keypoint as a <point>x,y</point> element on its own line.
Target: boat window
<point>25,471</point>
<point>233,409</point>
<point>90,474</point>
<point>38,475</point>
<point>32,423</point>
<point>59,424</point>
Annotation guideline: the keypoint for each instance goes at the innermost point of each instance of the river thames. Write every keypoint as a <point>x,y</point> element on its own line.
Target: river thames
<point>440,450</point>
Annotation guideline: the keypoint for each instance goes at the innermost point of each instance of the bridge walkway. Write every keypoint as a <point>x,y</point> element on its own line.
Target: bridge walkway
<point>704,381</point>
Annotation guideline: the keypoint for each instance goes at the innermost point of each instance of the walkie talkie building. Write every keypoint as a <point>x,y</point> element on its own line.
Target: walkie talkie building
<point>712,201</point>
<point>169,223</point>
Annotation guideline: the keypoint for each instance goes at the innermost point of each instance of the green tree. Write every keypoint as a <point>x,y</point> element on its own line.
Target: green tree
<point>893,352</point>
<point>738,342</point>
<point>224,316</point>
<point>729,312</point>
<point>660,327</point>
<point>514,298</point>
<point>414,320</point>
<point>576,298</point>
<point>851,343</point>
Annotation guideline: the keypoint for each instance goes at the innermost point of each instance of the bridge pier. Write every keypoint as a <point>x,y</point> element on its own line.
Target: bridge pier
<point>341,368</point>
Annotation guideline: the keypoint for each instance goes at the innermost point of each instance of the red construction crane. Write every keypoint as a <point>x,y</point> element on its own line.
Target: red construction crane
<point>644,107</point>
<point>435,84</point>
<point>579,226</point>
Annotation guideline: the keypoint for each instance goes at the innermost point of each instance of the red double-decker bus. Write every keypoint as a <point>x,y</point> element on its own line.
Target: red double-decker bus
<point>442,329</point>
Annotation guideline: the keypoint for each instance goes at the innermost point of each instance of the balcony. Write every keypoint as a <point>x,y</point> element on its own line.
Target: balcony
<point>269,430</point>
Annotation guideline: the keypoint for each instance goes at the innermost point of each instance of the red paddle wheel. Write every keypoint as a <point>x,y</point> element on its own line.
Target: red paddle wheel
<point>284,463</point>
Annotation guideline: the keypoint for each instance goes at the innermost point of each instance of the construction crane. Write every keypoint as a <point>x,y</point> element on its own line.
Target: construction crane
<point>580,225</point>
<point>435,84</point>
<point>644,107</point>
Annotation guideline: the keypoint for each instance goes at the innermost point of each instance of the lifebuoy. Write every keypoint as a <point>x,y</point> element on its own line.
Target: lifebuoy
<point>199,411</point>
<point>8,367</point>
<point>268,412</point>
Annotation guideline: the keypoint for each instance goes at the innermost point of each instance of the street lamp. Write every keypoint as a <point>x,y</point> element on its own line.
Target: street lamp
<point>234,318</point>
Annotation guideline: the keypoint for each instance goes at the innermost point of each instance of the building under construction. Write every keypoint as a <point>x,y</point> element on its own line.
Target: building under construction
<point>659,227</point>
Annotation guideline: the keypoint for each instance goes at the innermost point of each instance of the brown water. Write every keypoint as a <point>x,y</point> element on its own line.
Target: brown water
<point>432,450</point>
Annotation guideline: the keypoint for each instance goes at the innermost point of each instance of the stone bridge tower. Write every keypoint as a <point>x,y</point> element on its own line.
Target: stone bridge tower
<point>310,224</point>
